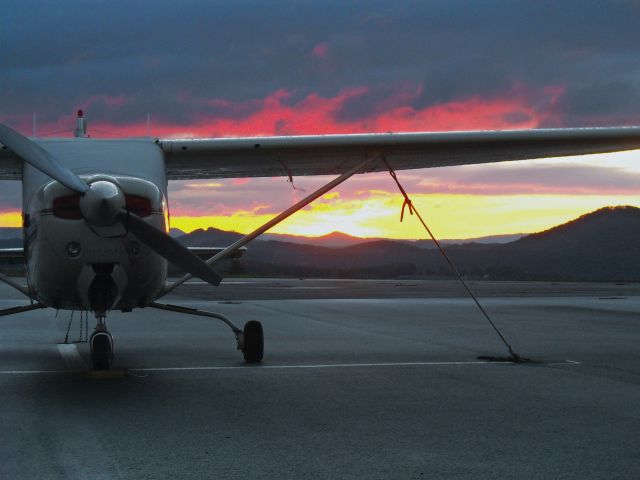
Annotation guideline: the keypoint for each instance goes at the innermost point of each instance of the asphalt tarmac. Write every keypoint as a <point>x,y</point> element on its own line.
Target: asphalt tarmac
<point>359,381</point>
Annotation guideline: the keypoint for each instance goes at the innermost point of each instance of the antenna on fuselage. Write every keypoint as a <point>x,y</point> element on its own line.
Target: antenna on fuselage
<point>81,125</point>
<point>35,129</point>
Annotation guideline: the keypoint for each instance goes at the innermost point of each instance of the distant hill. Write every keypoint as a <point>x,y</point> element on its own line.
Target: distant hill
<point>7,233</point>
<point>211,237</point>
<point>330,240</point>
<point>10,237</point>
<point>216,237</point>
<point>340,240</point>
<point>604,244</point>
<point>600,246</point>
<point>462,241</point>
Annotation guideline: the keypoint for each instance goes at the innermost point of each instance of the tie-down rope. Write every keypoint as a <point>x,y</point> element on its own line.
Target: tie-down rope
<point>513,356</point>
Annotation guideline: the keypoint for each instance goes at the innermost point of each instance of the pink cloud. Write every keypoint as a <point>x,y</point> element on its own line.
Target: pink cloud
<point>321,50</point>
<point>315,114</point>
<point>240,181</point>
<point>276,114</point>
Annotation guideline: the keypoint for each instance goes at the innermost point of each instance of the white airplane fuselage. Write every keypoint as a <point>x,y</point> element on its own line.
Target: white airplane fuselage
<point>72,264</point>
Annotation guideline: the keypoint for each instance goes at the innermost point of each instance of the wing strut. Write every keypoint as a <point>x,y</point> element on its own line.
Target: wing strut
<point>21,288</point>
<point>26,308</point>
<point>276,220</point>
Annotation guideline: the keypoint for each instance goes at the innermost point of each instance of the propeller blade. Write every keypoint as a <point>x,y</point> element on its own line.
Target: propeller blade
<point>39,158</point>
<point>167,247</point>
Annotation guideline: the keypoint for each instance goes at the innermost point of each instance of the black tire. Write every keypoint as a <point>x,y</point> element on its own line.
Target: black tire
<point>253,349</point>
<point>101,351</point>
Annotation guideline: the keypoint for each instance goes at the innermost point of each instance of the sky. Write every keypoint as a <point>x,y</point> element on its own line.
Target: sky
<point>239,68</point>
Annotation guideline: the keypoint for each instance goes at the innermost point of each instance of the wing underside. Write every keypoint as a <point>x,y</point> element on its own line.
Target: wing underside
<point>334,154</point>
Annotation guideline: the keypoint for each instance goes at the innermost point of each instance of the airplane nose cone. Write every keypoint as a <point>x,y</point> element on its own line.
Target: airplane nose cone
<point>101,204</point>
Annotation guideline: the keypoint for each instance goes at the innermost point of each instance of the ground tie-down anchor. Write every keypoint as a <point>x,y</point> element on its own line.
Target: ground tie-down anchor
<point>513,356</point>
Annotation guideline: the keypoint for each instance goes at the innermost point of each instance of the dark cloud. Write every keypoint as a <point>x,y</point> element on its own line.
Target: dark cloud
<point>224,196</point>
<point>517,117</point>
<point>597,102</point>
<point>512,179</point>
<point>527,178</point>
<point>370,103</point>
<point>179,60</point>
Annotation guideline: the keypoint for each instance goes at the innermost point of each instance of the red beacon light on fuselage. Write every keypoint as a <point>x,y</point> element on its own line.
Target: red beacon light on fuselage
<point>81,125</point>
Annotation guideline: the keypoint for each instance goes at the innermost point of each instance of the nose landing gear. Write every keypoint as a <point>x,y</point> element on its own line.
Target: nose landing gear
<point>101,343</point>
<point>250,340</point>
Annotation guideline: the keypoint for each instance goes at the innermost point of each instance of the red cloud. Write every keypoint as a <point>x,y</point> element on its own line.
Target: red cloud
<point>315,114</point>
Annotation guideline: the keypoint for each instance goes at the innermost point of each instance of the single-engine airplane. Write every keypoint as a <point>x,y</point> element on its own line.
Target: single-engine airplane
<point>96,215</point>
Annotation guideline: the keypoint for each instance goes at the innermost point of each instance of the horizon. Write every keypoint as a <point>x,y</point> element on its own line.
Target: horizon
<point>425,237</point>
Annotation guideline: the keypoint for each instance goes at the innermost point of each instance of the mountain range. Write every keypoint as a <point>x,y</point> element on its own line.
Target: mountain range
<point>333,239</point>
<point>599,246</point>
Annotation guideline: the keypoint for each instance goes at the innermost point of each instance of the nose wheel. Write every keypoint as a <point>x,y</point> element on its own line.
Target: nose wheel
<point>101,343</point>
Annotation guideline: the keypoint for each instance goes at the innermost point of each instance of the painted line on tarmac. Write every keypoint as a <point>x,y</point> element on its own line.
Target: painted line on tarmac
<point>283,367</point>
<point>327,365</point>
<point>72,357</point>
<point>337,365</point>
<point>31,372</point>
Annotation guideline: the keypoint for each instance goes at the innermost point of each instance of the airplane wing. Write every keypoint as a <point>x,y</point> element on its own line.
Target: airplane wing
<point>334,154</point>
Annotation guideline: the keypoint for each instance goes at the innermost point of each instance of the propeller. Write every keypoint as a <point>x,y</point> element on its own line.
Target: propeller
<point>103,203</point>
<point>38,157</point>
<point>168,248</point>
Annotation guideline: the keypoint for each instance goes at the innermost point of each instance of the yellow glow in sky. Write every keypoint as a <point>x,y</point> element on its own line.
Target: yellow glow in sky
<point>10,219</point>
<point>376,213</point>
<point>449,216</point>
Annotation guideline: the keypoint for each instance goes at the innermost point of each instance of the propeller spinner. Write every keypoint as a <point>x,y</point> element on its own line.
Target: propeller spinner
<point>101,204</point>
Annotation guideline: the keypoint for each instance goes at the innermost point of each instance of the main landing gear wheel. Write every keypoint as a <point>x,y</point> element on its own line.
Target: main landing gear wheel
<point>101,350</point>
<point>253,343</point>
